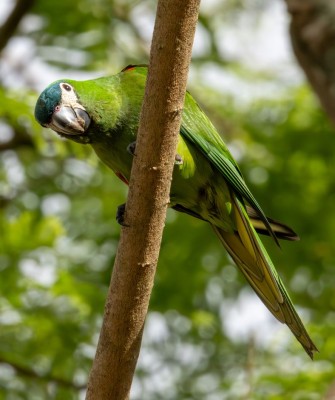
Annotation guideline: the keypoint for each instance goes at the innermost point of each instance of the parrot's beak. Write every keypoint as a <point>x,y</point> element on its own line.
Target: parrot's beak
<point>69,121</point>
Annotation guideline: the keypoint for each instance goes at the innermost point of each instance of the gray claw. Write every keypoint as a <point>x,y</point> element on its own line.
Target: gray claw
<point>120,214</point>
<point>178,159</point>
<point>131,148</point>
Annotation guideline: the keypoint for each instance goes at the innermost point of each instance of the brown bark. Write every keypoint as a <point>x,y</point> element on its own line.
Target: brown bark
<point>135,264</point>
<point>330,394</point>
<point>312,33</point>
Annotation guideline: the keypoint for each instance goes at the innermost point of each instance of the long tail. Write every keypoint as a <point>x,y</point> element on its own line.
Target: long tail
<point>247,251</point>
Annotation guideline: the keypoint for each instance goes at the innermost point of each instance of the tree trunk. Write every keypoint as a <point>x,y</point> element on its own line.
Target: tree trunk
<point>135,264</point>
<point>313,40</point>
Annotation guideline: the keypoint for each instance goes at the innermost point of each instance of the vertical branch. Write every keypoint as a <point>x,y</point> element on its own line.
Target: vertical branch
<point>135,264</point>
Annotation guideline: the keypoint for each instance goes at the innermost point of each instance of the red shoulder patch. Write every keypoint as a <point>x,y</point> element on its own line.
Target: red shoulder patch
<point>128,68</point>
<point>123,178</point>
<point>131,67</point>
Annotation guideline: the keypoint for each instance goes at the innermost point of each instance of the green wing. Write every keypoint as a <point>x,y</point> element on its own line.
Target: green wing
<point>197,129</point>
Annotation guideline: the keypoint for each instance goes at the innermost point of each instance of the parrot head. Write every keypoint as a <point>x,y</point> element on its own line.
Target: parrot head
<point>58,108</point>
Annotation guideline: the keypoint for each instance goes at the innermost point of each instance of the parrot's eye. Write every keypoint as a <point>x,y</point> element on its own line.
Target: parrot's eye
<point>67,87</point>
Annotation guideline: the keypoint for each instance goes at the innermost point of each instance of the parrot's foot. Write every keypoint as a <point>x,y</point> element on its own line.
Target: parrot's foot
<point>178,160</point>
<point>131,148</point>
<point>120,214</point>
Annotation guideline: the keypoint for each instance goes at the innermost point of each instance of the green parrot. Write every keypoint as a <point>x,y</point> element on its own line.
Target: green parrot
<point>206,184</point>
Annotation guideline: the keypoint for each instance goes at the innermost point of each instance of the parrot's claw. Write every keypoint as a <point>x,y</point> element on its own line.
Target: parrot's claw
<point>131,148</point>
<point>120,214</point>
<point>178,160</point>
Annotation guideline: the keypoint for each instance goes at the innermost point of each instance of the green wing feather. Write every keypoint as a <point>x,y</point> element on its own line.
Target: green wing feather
<point>209,142</point>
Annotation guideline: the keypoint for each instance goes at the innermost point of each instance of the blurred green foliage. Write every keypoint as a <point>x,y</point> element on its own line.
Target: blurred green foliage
<point>59,235</point>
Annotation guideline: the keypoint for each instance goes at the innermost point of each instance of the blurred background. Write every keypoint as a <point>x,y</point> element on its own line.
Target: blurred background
<point>207,336</point>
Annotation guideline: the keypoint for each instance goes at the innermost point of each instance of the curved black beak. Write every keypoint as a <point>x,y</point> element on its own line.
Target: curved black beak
<point>69,121</point>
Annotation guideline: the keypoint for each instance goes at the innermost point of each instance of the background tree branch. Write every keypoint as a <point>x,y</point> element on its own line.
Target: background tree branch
<point>19,139</point>
<point>135,265</point>
<point>313,37</point>
<point>31,373</point>
<point>10,25</point>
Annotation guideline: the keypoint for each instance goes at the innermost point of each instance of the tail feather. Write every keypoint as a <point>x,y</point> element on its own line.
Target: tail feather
<point>281,230</point>
<point>247,251</point>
